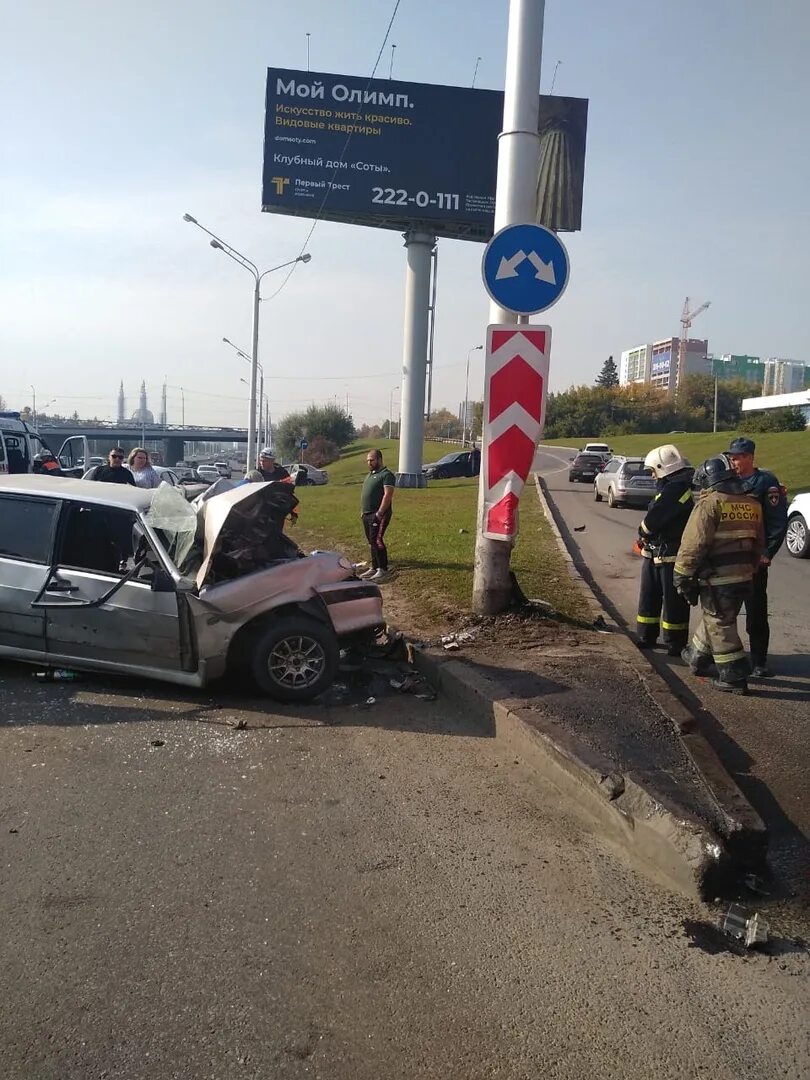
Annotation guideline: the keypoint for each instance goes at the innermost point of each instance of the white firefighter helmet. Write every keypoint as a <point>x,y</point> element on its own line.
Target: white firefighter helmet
<point>665,460</point>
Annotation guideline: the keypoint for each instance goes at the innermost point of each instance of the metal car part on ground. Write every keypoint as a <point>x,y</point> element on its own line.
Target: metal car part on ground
<point>109,577</point>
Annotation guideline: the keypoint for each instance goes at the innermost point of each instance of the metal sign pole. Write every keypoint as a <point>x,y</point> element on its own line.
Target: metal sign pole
<point>515,201</point>
<point>419,245</point>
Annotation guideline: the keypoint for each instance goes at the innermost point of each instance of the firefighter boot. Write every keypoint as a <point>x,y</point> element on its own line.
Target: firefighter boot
<point>699,662</point>
<point>732,678</point>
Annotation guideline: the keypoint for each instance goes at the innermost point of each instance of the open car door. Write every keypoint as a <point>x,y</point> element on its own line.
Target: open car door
<point>74,456</point>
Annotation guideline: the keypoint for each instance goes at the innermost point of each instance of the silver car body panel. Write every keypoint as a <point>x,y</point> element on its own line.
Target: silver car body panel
<point>174,635</point>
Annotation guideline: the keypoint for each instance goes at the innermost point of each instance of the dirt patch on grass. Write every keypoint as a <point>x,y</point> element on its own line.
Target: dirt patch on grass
<point>498,637</point>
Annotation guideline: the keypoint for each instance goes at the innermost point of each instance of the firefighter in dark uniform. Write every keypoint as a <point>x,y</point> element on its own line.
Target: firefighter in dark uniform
<point>718,557</point>
<point>772,498</point>
<point>660,608</point>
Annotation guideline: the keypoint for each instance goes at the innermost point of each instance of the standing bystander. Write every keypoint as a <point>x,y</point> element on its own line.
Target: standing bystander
<point>770,494</point>
<point>113,472</point>
<point>375,511</point>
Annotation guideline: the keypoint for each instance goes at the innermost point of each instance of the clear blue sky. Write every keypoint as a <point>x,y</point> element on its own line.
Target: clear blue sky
<point>120,117</point>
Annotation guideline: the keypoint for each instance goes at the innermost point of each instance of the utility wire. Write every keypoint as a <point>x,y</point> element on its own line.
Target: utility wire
<point>328,191</point>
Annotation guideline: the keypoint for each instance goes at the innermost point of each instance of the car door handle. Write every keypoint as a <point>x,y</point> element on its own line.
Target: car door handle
<point>61,586</point>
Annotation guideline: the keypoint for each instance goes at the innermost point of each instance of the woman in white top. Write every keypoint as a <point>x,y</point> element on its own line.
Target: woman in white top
<point>141,468</point>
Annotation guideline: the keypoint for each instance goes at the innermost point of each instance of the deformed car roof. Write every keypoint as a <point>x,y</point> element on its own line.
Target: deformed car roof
<point>124,496</point>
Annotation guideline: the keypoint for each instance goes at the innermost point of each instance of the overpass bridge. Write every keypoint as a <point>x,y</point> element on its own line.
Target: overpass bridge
<point>170,438</point>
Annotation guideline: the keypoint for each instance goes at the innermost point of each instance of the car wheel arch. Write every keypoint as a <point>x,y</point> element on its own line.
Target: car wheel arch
<point>804,525</point>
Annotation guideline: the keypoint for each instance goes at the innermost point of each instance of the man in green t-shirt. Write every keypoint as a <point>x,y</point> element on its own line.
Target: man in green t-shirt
<point>375,510</point>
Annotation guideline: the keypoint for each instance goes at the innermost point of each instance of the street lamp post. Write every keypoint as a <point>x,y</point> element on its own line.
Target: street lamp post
<point>391,411</point>
<point>475,348</point>
<point>245,356</point>
<point>257,275</point>
<point>34,407</point>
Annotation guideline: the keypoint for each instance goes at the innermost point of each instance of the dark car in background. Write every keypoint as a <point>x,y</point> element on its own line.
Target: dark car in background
<point>585,467</point>
<point>459,463</point>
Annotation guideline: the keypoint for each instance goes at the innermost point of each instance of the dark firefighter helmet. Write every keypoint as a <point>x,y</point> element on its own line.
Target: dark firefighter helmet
<point>716,474</point>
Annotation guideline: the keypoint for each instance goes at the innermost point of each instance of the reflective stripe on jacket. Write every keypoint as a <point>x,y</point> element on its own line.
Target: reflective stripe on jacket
<point>723,539</point>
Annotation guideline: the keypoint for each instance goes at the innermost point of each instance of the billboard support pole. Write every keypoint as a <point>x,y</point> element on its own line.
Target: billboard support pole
<point>419,245</point>
<point>515,202</point>
<point>435,276</point>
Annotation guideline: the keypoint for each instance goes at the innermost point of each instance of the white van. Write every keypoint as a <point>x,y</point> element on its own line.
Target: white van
<point>596,448</point>
<point>19,444</point>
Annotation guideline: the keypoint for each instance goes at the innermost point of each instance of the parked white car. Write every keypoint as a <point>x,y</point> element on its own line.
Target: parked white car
<point>303,475</point>
<point>797,540</point>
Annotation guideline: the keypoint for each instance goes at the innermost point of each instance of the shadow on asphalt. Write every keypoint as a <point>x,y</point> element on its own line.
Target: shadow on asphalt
<point>102,699</point>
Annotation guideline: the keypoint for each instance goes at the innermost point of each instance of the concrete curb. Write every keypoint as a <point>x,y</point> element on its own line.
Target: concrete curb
<point>670,846</point>
<point>667,842</point>
<point>744,833</point>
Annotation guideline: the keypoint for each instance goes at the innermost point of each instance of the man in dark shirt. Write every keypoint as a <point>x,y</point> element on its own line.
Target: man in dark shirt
<point>771,496</point>
<point>375,511</point>
<point>113,472</point>
<point>268,470</point>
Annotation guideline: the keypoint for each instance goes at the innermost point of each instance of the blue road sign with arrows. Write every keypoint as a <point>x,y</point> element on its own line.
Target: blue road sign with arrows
<point>303,444</point>
<point>525,268</point>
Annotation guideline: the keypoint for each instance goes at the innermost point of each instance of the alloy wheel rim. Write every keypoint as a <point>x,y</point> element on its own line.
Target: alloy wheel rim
<point>796,536</point>
<point>296,662</point>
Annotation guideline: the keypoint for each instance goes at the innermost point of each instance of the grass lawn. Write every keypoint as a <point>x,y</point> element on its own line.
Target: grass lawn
<point>786,453</point>
<point>431,539</point>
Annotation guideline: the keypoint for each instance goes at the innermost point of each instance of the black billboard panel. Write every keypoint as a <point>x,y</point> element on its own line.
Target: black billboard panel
<point>394,154</point>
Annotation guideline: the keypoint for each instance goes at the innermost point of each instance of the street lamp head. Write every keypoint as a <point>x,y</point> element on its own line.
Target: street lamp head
<point>304,258</point>
<point>216,244</point>
<point>188,217</point>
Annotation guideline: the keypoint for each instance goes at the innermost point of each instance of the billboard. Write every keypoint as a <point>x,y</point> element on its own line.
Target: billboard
<point>395,155</point>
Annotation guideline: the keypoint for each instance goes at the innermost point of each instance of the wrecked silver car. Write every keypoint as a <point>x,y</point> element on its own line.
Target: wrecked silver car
<point>108,577</point>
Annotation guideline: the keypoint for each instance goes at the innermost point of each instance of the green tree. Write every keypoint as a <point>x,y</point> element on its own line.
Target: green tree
<point>330,422</point>
<point>609,375</point>
<point>789,419</point>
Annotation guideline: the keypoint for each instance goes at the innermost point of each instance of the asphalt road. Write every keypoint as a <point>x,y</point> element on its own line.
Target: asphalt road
<point>763,739</point>
<point>338,893</point>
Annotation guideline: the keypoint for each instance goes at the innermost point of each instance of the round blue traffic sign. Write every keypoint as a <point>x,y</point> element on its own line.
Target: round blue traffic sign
<point>303,444</point>
<point>525,268</point>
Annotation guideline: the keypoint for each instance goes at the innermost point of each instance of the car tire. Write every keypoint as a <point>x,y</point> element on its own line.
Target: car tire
<point>797,538</point>
<point>596,496</point>
<point>571,479</point>
<point>612,501</point>
<point>440,474</point>
<point>295,659</point>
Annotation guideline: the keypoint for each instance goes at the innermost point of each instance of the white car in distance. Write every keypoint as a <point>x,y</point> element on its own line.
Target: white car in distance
<point>797,538</point>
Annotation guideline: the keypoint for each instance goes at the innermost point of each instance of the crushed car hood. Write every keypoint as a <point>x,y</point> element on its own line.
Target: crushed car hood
<point>243,531</point>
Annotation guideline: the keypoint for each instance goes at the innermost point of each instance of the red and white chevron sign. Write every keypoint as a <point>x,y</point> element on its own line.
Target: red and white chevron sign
<point>516,382</point>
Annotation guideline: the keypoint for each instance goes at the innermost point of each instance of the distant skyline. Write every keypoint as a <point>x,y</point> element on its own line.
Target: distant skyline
<point>696,183</point>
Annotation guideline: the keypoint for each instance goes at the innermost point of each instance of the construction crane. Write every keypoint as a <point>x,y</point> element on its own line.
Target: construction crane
<point>687,318</point>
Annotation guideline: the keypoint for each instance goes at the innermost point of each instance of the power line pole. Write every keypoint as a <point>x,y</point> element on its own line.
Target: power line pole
<point>515,203</point>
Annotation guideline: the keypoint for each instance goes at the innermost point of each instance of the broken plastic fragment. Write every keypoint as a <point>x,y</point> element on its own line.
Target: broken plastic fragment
<point>747,928</point>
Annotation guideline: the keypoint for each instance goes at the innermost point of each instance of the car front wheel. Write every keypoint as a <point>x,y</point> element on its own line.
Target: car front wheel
<point>797,538</point>
<point>596,495</point>
<point>296,659</point>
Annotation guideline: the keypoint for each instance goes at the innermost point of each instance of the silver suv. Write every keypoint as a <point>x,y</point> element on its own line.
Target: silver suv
<point>109,577</point>
<point>624,481</point>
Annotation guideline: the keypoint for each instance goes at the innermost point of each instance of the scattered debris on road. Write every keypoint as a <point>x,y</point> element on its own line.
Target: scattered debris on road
<point>57,675</point>
<point>747,928</point>
<point>157,742</point>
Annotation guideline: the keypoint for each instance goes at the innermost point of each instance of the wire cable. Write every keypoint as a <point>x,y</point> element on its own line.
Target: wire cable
<point>328,191</point>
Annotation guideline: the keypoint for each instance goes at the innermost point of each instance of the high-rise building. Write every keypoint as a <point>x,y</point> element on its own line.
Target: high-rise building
<point>634,365</point>
<point>729,366</point>
<point>656,364</point>
<point>122,404</point>
<point>784,376</point>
